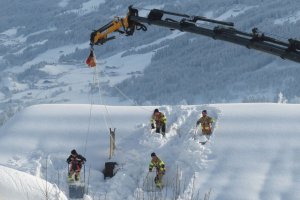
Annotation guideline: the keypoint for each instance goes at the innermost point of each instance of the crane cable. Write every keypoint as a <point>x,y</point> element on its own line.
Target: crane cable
<point>97,83</point>
<point>88,131</point>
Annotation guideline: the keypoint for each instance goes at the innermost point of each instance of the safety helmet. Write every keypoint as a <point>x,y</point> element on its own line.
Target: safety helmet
<point>74,152</point>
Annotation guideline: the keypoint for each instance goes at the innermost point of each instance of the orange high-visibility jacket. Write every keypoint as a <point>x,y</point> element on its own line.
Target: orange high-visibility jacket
<point>206,123</point>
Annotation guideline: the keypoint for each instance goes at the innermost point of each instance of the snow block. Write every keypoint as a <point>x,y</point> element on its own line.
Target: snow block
<point>110,169</point>
<point>76,191</point>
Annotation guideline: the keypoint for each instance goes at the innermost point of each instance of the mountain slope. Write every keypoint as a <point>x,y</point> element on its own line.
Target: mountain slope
<point>191,68</point>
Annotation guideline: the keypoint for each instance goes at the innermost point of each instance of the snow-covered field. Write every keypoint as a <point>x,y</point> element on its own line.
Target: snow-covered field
<point>46,90</point>
<point>253,153</point>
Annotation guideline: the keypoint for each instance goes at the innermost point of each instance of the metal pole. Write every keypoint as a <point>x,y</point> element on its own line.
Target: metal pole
<point>112,143</point>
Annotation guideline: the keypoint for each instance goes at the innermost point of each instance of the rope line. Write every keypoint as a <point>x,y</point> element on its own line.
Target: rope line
<point>96,81</point>
<point>125,96</point>
<point>88,131</point>
<point>106,113</point>
<point>106,109</point>
<point>101,99</point>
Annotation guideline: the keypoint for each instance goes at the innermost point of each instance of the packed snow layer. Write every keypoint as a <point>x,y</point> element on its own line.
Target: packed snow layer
<point>16,185</point>
<point>253,153</point>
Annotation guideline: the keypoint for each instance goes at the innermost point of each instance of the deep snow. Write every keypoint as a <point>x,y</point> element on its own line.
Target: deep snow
<point>253,153</point>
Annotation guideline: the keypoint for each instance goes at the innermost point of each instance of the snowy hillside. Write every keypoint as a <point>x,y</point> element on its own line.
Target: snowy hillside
<point>51,102</point>
<point>43,47</point>
<point>253,153</point>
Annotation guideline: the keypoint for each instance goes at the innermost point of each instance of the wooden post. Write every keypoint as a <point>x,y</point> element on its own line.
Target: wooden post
<point>112,143</point>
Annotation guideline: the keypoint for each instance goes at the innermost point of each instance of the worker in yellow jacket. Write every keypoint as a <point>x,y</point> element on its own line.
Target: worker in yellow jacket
<point>159,165</point>
<point>158,122</point>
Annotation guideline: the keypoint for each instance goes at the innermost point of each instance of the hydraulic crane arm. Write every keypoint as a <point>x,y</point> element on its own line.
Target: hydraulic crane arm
<point>121,25</point>
<point>224,31</point>
<point>100,36</point>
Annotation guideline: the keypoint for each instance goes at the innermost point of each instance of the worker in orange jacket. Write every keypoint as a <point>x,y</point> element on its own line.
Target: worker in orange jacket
<point>206,124</point>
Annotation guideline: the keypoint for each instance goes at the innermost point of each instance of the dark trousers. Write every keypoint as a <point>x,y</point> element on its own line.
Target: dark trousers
<point>161,127</point>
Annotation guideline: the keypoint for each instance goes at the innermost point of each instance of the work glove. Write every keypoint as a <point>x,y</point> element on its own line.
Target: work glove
<point>152,126</point>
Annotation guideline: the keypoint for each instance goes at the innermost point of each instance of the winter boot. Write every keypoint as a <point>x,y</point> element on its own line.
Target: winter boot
<point>157,130</point>
<point>70,177</point>
<point>156,179</point>
<point>159,185</point>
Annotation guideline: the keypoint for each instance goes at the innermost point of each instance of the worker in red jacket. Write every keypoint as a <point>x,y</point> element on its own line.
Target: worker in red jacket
<point>75,161</point>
